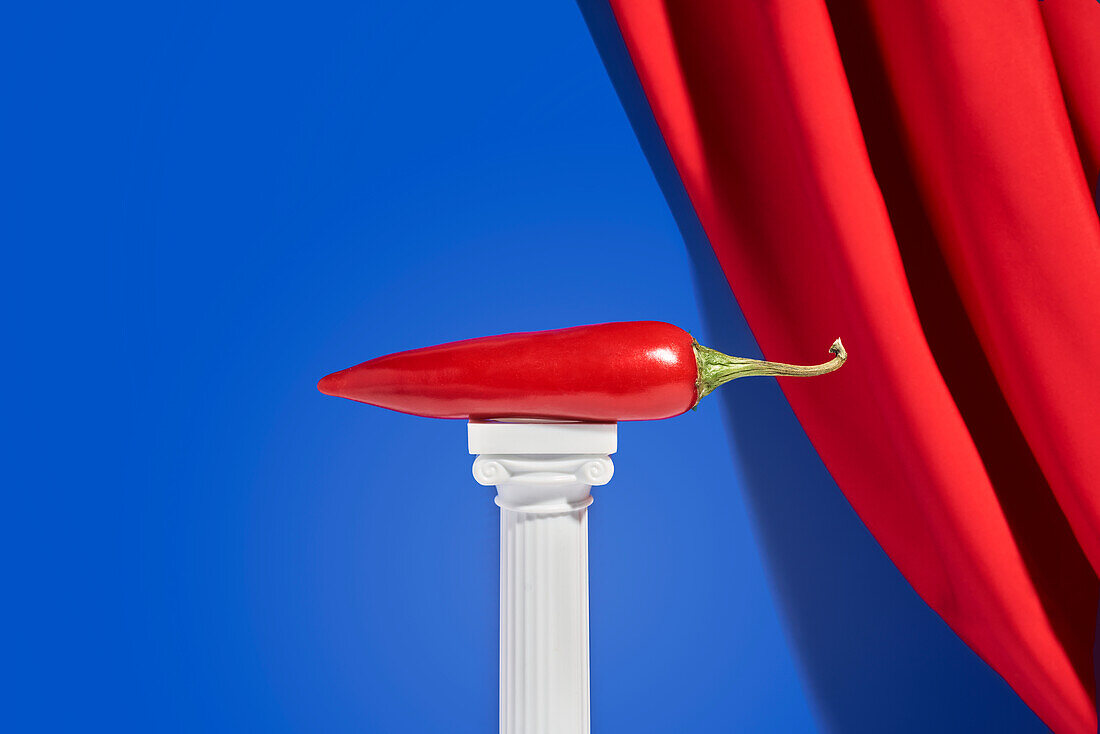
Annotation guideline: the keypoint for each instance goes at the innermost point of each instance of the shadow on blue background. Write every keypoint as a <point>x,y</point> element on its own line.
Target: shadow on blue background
<point>213,206</point>
<point>876,658</point>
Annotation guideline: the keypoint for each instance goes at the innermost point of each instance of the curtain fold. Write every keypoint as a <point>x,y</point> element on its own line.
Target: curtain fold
<point>915,179</point>
<point>1073,29</point>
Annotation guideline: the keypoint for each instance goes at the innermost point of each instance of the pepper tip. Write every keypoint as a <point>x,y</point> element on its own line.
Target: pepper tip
<point>327,385</point>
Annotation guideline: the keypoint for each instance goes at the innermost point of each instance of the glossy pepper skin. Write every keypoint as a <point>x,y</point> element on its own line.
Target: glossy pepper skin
<point>634,370</point>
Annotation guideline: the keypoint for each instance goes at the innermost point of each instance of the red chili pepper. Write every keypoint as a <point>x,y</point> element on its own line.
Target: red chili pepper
<point>633,370</point>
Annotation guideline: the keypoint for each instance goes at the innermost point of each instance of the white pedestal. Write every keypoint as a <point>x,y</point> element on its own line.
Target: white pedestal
<point>544,473</point>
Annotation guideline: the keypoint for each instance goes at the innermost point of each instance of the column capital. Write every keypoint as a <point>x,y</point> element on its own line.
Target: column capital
<point>542,467</point>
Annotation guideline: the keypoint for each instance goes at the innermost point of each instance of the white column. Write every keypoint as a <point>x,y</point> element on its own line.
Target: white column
<point>544,473</point>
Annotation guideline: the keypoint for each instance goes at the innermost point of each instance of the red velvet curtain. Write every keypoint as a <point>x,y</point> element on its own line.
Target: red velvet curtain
<point>918,178</point>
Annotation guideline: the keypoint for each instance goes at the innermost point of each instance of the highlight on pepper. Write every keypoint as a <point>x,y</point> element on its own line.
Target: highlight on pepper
<point>624,371</point>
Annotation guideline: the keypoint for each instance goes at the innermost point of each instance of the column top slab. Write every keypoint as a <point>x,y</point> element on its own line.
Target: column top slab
<point>505,437</point>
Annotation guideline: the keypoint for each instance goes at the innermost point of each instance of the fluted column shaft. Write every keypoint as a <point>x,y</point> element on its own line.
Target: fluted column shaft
<point>543,622</point>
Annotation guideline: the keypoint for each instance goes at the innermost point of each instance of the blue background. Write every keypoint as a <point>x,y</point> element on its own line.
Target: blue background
<point>210,207</point>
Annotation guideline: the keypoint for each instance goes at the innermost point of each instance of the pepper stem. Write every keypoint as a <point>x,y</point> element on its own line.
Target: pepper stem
<point>716,369</point>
